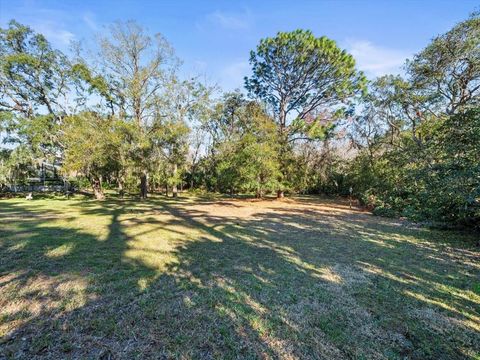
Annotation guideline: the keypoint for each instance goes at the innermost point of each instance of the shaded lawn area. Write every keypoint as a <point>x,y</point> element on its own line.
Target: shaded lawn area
<point>201,279</point>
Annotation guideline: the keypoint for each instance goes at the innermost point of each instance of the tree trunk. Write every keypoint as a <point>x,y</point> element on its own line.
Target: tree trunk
<point>143,185</point>
<point>121,190</point>
<point>192,174</point>
<point>166,190</point>
<point>259,193</point>
<point>283,144</point>
<point>97,189</point>
<point>174,187</point>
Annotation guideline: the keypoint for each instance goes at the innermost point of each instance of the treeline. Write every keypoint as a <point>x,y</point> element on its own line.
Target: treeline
<point>119,115</point>
<point>419,137</point>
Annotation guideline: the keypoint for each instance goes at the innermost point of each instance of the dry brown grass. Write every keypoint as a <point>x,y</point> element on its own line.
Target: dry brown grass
<point>231,278</point>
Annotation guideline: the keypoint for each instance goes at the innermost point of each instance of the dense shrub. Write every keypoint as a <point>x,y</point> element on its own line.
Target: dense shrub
<point>437,180</point>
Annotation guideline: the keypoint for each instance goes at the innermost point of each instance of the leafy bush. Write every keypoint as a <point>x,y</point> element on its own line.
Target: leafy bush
<point>442,183</point>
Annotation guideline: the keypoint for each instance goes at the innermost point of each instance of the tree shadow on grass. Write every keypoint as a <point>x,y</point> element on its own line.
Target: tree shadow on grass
<point>58,280</point>
<point>284,284</point>
<point>396,291</point>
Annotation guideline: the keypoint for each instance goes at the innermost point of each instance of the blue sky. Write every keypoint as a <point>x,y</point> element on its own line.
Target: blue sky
<point>213,38</point>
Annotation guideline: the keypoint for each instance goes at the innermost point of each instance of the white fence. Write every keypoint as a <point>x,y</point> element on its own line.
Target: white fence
<point>40,188</point>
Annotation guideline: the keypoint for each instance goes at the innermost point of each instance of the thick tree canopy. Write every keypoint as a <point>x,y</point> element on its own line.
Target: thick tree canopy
<point>32,74</point>
<point>35,81</point>
<point>450,66</point>
<point>405,145</point>
<point>298,74</point>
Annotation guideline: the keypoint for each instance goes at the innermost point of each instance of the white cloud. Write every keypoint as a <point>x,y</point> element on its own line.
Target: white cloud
<point>200,65</point>
<point>231,21</point>
<point>89,19</point>
<point>231,76</point>
<point>50,22</point>
<point>376,60</point>
<point>54,33</point>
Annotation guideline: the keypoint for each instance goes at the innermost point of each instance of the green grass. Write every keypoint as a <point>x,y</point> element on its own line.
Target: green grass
<point>210,278</point>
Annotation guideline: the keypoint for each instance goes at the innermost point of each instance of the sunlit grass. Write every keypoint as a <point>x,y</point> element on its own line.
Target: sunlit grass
<point>215,278</point>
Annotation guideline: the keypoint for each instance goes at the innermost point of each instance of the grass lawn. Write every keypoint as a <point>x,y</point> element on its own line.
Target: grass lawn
<point>195,278</point>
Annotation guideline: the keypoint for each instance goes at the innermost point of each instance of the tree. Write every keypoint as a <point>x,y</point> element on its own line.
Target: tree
<point>256,155</point>
<point>35,82</point>
<point>222,126</point>
<point>135,67</point>
<point>243,155</point>
<point>173,145</point>
<point>197,144</point>
<point>418,153</point>
<point>453,186</point>
<point>15,166</point>
<point>449,68</point>
<point>93,148</point>
<point>298,74</point>
<point>181,103</point>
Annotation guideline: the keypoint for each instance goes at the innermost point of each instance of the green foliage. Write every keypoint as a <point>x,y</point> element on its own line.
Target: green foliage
<point>96,83</point>
<point>449,67</point>
<point>417,138</point>
<point>248,165</point>
<point>300,76</point>
<point>34,81</point>
<point>32,74</point>
<point>15,166</point>
<point>295,71</point>
<point>437,181</point>
<point>452,180</point>
<point>95,147</point>
<point>244,152</point>
<point>414,138</point>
